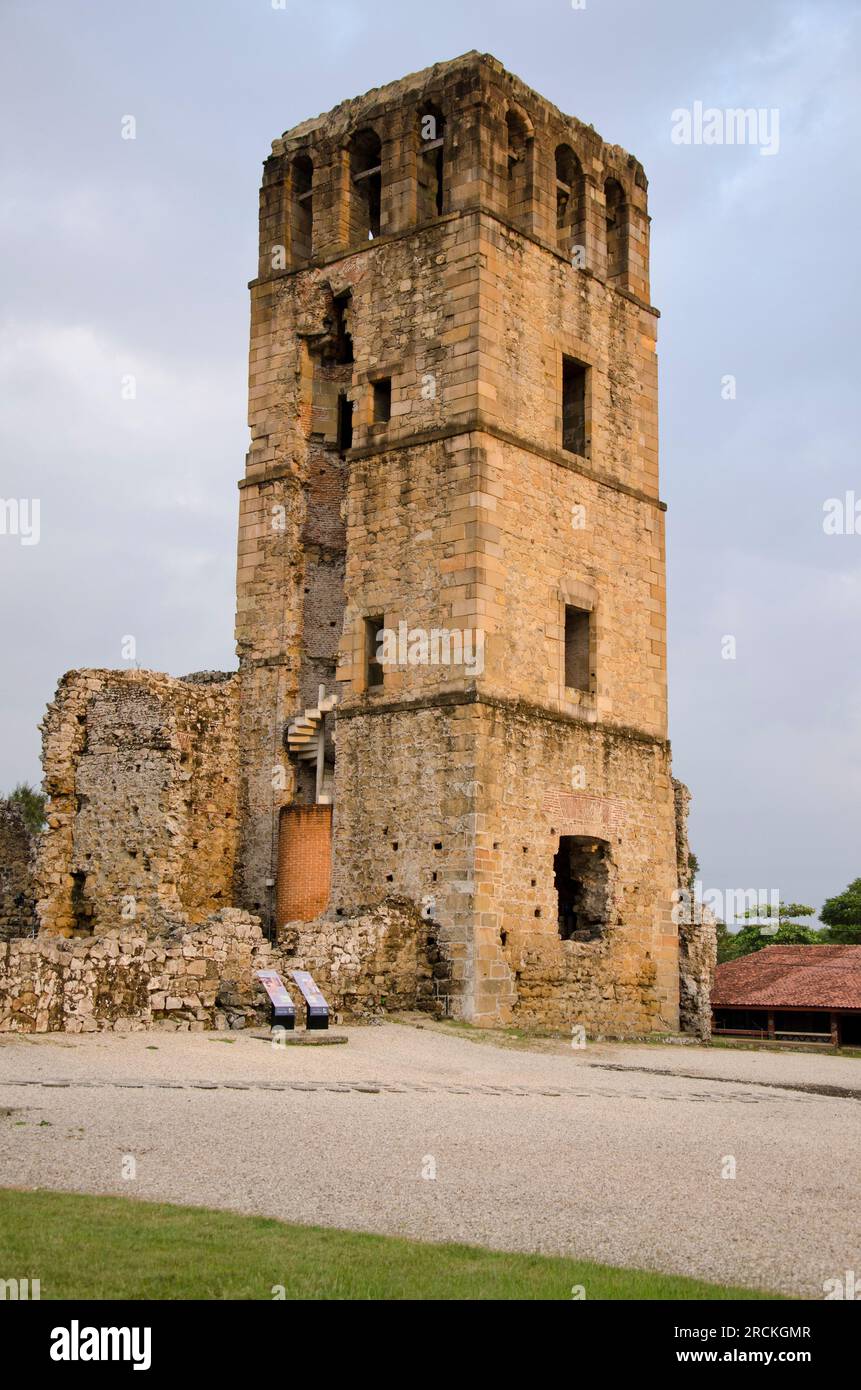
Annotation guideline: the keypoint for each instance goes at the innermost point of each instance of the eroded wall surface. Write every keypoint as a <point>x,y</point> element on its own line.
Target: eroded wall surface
<point>141,771</point>
<point>697,933</point>
<point>194,979</point>
<point>467,510</point>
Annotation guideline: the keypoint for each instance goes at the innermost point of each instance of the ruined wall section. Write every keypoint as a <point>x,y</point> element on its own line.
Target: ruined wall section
<point>17,886</point>
<point>405,823</point>
<point>381,961</point>
<point>596,782</point>
<point>412,321</point>
<point>202,978</point>
<point>141,772</point>
<point>697,933</point>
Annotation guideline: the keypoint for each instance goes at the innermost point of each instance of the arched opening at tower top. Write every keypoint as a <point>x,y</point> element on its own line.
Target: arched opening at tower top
<point>569,198</point>
<point>519,160</point>
<point>366,171</point>
<point>616,231</point>
<point>430,165</point>
<point>302,223</point>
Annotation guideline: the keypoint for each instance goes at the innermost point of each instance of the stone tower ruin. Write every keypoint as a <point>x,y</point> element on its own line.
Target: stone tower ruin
<point>451,575</point>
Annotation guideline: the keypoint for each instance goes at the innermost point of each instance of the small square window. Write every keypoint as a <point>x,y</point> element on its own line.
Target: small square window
<point>373,668</point>
<point>383,401</point>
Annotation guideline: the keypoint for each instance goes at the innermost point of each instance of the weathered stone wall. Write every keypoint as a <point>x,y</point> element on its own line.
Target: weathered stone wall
<point>454,783</point>
<point>141,771</point>
<point>17,888</point>
<point>125,980</point>
<point>697,933</point>
<point>601,783</point>
<point>382,961</point>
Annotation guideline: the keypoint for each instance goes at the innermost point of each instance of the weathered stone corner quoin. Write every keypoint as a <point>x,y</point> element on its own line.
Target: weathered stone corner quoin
<point>441,775</point>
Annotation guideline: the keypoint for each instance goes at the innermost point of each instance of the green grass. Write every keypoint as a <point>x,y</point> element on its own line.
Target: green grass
<point>111,1247</point>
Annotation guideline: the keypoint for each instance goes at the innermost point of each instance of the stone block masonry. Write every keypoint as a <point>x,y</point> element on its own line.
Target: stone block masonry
<point>453,246</point>
<point>453,420</point>
<point>141,771</point>
<point>193,980</point>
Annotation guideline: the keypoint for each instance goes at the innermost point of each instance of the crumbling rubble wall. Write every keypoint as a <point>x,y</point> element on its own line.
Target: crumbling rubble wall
<point>141,771</point>
<point>384,960</point>
<point>17,888</point>
<point>202,978</point>
<point>697,933</point>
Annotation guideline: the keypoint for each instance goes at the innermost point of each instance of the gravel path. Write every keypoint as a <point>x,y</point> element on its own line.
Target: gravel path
<point>611,1153</point>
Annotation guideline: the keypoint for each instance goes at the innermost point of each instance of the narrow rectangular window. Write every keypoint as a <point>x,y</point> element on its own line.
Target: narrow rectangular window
<point>383,401</point>
<point>345,422</point>
<point>342,350</point>
<point>574,407</point>
<point>373,668</point>
<point>577,633</point>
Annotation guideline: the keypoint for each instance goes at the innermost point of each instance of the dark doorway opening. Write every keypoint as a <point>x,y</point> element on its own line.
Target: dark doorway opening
<point>582,875</point>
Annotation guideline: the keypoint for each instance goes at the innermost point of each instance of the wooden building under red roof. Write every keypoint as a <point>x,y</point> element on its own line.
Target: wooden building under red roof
<point>791,994</point>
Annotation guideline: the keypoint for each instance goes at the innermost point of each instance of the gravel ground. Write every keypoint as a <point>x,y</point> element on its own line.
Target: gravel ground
<point>612,1153</point>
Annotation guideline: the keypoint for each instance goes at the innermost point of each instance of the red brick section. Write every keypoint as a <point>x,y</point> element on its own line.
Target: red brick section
<point>791,977</point>
<point>304,862</point>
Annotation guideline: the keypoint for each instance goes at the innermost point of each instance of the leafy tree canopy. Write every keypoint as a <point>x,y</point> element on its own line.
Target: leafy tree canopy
<point>32,804</point>
<point>842,915</point>
<point>751,936</point>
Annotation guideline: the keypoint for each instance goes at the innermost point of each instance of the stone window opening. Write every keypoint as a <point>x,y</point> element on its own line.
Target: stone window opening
<point>345,423</point>
<point>518,163</point>
<point>302,221</point>
<point>373,668</point>
<point>382,400</point>
<point>342,341</point>
<point>430,165</point>
<point>575,439</point>
<point>578,633</point>
<point>366,174</point>
<point>615,214</point>
<point>569,199</point>
<point>581,869</point>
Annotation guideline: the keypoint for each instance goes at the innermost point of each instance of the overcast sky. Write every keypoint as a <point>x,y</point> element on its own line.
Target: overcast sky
<point>131,258</point>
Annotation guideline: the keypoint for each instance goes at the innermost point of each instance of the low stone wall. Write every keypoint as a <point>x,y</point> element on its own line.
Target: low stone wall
<point>386,960</point>
<point>17,888</point>
<point>124,980</point>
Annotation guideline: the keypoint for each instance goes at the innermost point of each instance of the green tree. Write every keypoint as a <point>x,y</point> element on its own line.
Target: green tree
<point>842,916</point>
<point>725,942</point>
<point>32,804</point>
<point>790,932</point>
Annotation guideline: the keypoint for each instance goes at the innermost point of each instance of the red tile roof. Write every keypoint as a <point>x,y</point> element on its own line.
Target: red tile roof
<point>791,977</point>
